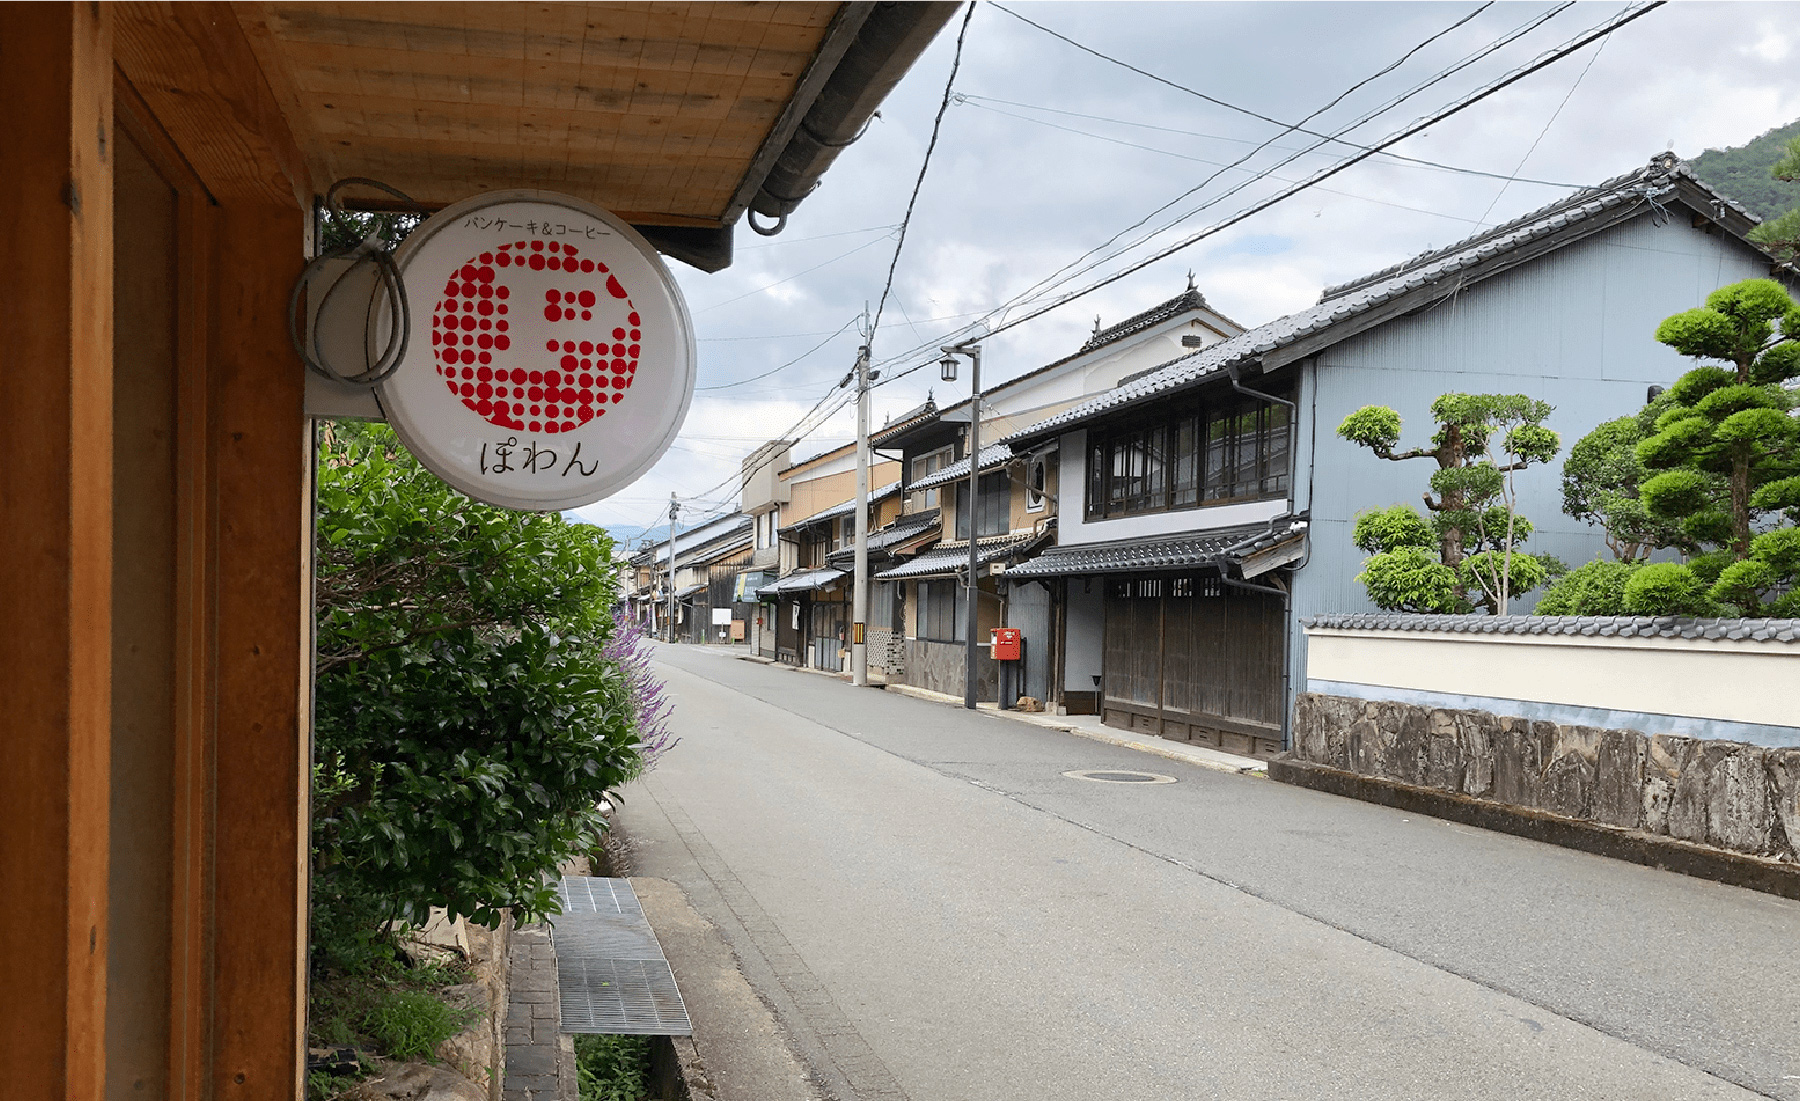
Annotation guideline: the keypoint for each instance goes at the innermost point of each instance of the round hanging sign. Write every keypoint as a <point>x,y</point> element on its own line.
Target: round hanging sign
<point>551,357</point>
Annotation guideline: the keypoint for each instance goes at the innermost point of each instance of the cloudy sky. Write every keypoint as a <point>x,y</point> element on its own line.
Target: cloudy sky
<point>1047,152</point>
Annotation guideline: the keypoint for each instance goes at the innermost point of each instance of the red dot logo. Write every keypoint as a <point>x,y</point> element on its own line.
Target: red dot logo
<point>568,352</point>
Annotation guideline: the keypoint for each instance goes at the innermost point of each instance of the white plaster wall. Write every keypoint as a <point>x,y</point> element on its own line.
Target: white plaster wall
<point>1743,682</point>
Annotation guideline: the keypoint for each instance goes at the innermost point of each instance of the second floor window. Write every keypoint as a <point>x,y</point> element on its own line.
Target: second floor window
<point>992,511</point>
<point>1207,456</point>
<point>930,463</point>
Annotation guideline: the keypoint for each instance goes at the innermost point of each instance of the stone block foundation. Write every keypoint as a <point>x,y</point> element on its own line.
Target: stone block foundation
<point>1704,795</point>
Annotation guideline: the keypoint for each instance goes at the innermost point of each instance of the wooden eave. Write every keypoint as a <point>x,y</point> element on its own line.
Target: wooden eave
<point>667,114</point>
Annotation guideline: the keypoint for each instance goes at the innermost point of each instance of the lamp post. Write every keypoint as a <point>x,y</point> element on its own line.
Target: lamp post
<point>948,366</point>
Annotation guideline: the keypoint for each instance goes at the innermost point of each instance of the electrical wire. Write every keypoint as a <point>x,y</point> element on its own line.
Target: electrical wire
<point>937,125</point>
<point>976,100</point>
<point>1548,123</point>
<point>1585,38</point>
<point>1504,40</point>
<point>791,278</point>
<point>784,366</point>
<point>1215,100</point>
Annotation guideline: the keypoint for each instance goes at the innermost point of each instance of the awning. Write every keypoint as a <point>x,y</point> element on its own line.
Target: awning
<point>948,560</point>
<point>1241,544</point>
<point>800,581</point>
<point>684,593</point>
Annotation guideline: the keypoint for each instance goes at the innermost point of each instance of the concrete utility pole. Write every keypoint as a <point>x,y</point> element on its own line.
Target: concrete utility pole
<point>859,618</point>
<point>948,363</point>
<point>674,510</point>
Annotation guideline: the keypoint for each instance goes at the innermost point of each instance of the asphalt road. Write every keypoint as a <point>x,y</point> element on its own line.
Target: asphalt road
<point>936,913</point>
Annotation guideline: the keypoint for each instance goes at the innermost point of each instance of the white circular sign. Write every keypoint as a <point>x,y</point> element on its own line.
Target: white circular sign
<point>551,356</point>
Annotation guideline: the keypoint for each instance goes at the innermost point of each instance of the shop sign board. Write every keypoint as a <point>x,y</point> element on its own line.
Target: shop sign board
<point>550,360</point>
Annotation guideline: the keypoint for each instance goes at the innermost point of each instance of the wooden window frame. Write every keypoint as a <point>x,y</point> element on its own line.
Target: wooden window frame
<point>1137,469</point>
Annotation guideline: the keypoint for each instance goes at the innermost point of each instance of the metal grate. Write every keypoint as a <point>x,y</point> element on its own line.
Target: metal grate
<point>613,975</point>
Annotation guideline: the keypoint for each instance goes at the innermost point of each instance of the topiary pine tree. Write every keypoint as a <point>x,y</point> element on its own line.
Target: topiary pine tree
<point>1475,519</point>
<point>1728,425</point>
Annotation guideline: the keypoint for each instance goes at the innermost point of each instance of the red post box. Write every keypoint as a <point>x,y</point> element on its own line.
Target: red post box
<point>1006,643</point>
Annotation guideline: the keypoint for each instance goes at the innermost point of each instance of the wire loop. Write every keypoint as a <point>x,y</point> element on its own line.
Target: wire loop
<point>371,249</point>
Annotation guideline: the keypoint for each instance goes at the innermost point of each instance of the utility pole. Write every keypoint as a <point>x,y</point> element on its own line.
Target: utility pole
<point>859,646</point>
<point>674,510</point>
<point>948,363</point>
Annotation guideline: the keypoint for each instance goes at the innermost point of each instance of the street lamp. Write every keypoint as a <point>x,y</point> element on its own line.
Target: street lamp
<point>947,366</point>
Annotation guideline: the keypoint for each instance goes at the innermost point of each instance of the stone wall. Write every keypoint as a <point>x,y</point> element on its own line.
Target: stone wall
<point>1728,795</point>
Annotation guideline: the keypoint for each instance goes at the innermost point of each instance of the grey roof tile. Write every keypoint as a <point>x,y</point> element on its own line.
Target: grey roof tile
<point>1648,185</point>
<point>992,456</point>
<point>1191,550</point>
<point>1758,630</point>
<point>946,559</point>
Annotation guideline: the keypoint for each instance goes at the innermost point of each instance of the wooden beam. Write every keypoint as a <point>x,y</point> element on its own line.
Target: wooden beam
<point>262,565</point>
<point>56,542</point>
<point>195,69</point>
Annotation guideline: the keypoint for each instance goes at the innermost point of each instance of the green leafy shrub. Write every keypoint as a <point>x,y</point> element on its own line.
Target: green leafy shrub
<point>1666,588</point>
<point>1411,579</point>
<point>613,1068</point>
<point>1597,588</point>
<point>410,1024</point>
<point>469,720</point>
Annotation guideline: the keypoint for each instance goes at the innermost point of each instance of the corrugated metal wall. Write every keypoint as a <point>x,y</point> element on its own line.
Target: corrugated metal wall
<point>1575,328</point>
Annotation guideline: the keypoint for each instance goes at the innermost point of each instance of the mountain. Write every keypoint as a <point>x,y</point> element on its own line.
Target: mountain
<point>1742,172</point>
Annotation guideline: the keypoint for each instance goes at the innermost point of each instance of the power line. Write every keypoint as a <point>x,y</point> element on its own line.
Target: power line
<point>786,240</point>
<point>784,366</point>
<point>1548,123</point>
<point>1585,38</point>
<point>1216,164</point>
<point>1443,74</point>
<point>937,125</point>
<point>791,278</point>
<point>975,100</point>
<point>1215,100</point>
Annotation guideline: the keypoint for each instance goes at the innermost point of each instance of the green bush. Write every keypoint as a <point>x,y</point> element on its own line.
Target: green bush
<point>613,1068</point>
<point>1666,588</point>
<point>469,717</point>
<point>1411,579</point>
<point>1597,588</point>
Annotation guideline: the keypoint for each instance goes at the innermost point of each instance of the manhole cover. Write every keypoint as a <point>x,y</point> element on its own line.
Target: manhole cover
<point>1118,776</point>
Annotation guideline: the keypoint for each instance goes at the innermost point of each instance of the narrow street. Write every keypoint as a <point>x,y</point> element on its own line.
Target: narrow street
<point>935,912</point>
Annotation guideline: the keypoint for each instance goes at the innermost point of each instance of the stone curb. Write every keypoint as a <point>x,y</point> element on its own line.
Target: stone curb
<point>1635,846</point>
<point>1049,723</point>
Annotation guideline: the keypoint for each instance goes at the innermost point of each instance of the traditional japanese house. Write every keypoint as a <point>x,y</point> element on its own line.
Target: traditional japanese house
<point>1208,504</point>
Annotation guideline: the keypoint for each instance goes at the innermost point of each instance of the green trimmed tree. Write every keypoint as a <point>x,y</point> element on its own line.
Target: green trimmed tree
<point>470,714</point>
<point>1724,458</point>
<point>1601,480</point>
<point>1482,441</point>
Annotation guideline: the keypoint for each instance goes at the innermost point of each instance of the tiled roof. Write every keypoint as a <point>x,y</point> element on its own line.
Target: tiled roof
<point>992,456</point>
<point>1189,299</point>
<point>951,558</point>
<point>736,544</point>
<point>1603,626</point>
<point>1647,187</point>
<point>903,530</point>
<point>698,536</point>
<point>846,508</point>
<point>689,590</point>
<point>1192,550</point>
<point>911,418</point>
<point>800,581</point>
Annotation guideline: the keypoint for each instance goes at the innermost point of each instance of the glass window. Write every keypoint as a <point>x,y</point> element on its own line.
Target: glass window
<point>1238,450</point>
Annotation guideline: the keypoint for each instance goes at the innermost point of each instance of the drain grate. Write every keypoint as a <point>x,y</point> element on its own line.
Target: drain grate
<point>1118,776</point>
<point>613,975</point>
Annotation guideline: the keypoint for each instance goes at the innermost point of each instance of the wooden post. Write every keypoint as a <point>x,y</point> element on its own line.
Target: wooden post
<point>261,459</point>
<point>56,545</point>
